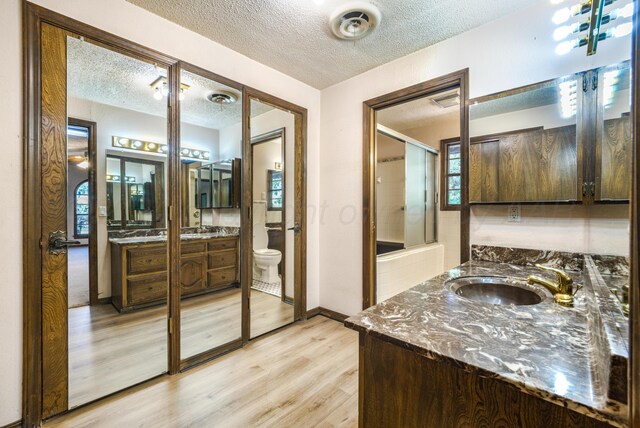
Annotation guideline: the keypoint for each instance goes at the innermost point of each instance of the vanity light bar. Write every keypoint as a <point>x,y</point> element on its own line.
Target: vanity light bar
<point>116,178</point>
<point>149,147</point>
<point>592,26</point>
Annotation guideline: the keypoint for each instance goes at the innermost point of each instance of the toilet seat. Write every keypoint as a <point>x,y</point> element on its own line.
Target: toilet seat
<point>267,252</point>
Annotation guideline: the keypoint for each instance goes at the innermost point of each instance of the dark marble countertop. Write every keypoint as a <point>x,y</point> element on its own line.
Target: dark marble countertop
<point>163,238</point>
<point>545,350</point>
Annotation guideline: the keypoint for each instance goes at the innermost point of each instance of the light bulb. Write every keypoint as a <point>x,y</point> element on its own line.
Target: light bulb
<point>561,33</point>
<point>123,141</point>
<point>185,152</point>
<point>622,30</point>
<point>165,90</point>
<point>561,16</point>
<point>181,94</point>
<point>151,146</point>
<point>157,94</point>
<point>137,144</point>
<point>565,47</point>
<point>625,12</point>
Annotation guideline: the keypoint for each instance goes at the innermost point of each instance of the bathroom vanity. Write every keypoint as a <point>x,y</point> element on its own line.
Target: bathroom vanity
<point>440,357</point>
<point>208,262</point>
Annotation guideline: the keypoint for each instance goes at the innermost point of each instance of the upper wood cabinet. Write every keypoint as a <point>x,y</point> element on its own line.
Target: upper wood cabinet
<point>565,140</point>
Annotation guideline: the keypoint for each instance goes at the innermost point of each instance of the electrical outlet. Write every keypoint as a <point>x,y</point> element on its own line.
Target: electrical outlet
<point>513,216</point>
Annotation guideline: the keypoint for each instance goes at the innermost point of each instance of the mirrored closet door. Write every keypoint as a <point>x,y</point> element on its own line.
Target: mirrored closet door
<point>118,339</point>
<point>210,172</point>
<point>272,290</point>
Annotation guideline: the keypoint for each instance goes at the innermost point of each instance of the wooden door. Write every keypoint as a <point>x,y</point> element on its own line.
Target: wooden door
<point>54,214</point>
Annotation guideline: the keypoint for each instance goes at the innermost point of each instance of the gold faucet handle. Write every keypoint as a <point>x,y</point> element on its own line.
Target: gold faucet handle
<point>561,275</point>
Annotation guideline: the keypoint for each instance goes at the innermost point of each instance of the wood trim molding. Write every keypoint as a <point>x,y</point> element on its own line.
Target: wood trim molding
<point>456,79</point>
<point>328,313</point>
<point>634,284</point>
<point>15,424</point>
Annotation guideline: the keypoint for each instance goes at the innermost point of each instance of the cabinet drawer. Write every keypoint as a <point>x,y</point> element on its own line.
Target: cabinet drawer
<point>220,259</point>
<point>146,289</point>
<point>221,277</point>
<point>146,260</point>
<point>193,247</point>
<point>223,244</point>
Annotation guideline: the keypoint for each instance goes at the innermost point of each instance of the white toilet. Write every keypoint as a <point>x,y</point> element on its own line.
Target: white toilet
<point>265,260</point>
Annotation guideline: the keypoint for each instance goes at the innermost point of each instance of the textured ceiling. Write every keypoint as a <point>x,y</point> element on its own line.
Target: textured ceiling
<point>293,36</point>
<point>103,76</point>
<point>412,114</point>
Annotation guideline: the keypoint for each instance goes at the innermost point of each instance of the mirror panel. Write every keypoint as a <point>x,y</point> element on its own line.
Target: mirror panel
<point>524,144</point>
<point>613,135</point>
<point>211,124</point>
<point>120,339</point>
<point>272,292</point>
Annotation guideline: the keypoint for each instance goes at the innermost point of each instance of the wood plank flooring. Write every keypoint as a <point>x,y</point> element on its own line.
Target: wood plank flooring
<point>109,351</point>
<point>303,376</point>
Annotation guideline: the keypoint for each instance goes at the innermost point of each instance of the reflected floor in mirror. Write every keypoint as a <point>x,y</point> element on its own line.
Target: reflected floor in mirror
<point>268,313</point>
<point>78,272</point>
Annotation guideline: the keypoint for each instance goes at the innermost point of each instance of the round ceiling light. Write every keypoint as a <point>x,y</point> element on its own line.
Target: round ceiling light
<point>353,21</point>
<point>223,98</point>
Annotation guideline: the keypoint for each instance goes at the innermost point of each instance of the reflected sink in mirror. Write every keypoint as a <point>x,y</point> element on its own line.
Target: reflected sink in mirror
<point>496,291</point>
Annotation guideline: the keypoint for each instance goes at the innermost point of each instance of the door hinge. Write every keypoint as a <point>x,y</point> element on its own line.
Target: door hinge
<point>585,82</point>
<point>170,325</point>
<point>170,212</point>
<point>594,81</point>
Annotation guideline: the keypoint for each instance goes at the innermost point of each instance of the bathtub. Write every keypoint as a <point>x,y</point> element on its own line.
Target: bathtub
<point>401,270</point>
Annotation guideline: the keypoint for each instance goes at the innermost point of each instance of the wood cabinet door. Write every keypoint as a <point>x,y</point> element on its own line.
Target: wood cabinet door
<point>193,271</point>
<point>613,160</point>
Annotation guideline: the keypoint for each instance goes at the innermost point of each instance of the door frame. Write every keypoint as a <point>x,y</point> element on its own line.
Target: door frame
<point>300,204</point>
<point>265,138</point>
<point>456,79</point>
<point>93,207</point>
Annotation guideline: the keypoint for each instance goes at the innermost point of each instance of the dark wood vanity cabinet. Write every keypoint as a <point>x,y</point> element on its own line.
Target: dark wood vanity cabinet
<point>139,271</point>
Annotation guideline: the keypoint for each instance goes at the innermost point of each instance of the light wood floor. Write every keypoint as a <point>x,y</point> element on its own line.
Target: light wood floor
<point>303,376</point>
<point>109,351</point>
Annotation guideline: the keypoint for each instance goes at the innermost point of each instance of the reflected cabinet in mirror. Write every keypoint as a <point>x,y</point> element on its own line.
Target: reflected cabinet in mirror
<point>218,185</point>
<point>134,193</point>
<point>565,140</point>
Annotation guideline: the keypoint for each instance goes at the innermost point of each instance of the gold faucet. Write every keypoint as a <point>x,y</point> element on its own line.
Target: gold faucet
<point>562,289</point>
<point>624,301</point>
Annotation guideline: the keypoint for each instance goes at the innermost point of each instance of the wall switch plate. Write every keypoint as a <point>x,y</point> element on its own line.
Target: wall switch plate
<point>102,211</point>
<point>513,216</point>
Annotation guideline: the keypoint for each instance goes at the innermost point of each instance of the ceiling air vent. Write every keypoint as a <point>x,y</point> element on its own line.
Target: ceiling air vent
<point>222,98</point>
<point>353,21</point>
<point>450,99</point>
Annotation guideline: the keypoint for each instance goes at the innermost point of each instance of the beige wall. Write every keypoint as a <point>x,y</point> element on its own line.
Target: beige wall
<point>126,20</point>
<point>504,54</point>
